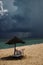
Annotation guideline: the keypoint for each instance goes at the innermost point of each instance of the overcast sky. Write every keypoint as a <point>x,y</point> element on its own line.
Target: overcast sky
<point>24,14</point>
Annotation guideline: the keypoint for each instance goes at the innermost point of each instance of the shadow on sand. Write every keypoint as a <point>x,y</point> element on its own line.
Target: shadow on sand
<point>13,58</point>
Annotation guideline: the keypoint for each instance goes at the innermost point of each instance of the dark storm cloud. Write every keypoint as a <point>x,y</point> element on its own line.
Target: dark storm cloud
<point>14,20</point>
<point>23,14</point>
<point>6,22</point>
<point>32,11</point>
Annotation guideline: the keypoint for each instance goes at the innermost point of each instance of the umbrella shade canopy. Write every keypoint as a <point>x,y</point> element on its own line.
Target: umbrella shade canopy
<point>15,40</point>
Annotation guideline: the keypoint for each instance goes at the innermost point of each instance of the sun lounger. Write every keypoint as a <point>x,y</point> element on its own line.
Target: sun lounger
<point>19,53</point>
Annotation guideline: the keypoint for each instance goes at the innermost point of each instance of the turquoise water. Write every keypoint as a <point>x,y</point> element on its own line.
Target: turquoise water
<point>27,42</point>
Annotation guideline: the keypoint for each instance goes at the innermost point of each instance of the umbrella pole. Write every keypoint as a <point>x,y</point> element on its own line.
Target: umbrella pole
<point>14,48</point>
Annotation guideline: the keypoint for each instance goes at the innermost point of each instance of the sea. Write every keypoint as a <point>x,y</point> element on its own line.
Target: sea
<point>30,41</point>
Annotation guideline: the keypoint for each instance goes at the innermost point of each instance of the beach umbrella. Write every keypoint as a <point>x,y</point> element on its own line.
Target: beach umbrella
<point>15,40</point>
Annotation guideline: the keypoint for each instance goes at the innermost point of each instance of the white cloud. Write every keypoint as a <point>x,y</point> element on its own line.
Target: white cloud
<point>2,10</point>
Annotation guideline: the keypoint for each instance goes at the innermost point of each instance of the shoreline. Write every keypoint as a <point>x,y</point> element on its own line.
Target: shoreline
<point>20,46</point>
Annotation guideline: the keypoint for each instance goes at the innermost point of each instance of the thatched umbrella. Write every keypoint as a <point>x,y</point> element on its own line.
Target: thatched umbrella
<point>14,41</point>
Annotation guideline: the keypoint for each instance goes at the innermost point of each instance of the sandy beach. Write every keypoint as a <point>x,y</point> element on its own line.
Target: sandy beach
<point>33,55</point>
